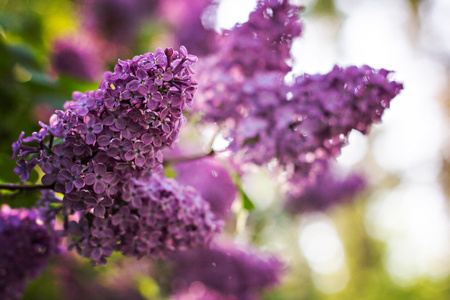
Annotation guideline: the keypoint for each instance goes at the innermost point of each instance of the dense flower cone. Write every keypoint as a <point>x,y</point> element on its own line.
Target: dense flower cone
<point>197,291</point>
<point>117,130</point>
<point>212,181</point>
<point>76,57</point>
<point>227,270</point>
<point>322,191</point>
<point>103,151</point>
<point>153,217</point>
<point>267,119</point>
<point>26,247</point>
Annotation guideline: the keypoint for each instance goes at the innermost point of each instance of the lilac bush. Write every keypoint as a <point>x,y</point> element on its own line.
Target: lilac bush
<point>101,157</point>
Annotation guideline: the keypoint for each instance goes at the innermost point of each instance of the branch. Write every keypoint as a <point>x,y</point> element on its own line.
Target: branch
<point>12,186</point>
<point>176,160</point>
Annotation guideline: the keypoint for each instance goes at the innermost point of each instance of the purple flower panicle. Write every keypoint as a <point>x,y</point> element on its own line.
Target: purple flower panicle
<point>26,247</point>
<point>155,217</point>
<point>102,153</point>
<point>212,181</point>
<point>322,191</point>
<point>227,270</point>
<point>76,57</point>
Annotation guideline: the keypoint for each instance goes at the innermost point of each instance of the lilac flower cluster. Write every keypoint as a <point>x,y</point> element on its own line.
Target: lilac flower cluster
<point>102,154</point>
<point>197,291</point>
<point>154,217</point>
<point>264,41</point>
<point>312,118</point>
<point>212,181</point>
<point>255,50</point>
<point>322,191</point>
<point>266,119</point>
<point>76,57</point>
<point>187,19</point>
<point>26,247</point>
<point>227,270</point>
<point>115,131</point>
<point>115,21</point>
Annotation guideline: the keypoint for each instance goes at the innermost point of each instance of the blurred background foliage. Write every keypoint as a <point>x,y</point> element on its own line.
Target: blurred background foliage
<point>31,89</point>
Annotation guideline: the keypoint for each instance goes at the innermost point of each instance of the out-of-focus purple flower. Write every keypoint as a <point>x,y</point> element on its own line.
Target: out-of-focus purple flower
<point>116,23</point>
<point>322,191</point>
<point>93,149</point>
<point>265,119</point>
<point>228,270</point>
<point>198,291</point>
<point>112,20</point>
<point>192,24</point>
<point>212,181</point>
<point>76,57</point>
<point>26,247</point>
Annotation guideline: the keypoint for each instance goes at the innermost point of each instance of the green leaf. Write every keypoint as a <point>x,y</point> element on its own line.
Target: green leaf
<point>247,204</point>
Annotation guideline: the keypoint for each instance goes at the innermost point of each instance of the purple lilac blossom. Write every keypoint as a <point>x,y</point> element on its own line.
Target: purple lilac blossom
<point>103,152</point>
<point>26,247</point>
<point>322,191</point>
<point>197,291</point>
<point>155,217</point>
<point>188,19</point>
<point>266,119</point>
<point>212,181</point>
<point>227,270</point>
<point>115,24</point>
<point>76,57</point>
<point>312,118</point>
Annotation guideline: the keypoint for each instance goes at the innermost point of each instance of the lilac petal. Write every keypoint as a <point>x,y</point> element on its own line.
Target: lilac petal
<point>69,186</point>
<point>82,128</point>
<point>167,76</point>
<point>99,211</point>
<point>79,183</point>
<point>103,140</point>
<point>157,97</point>
<point>130,155</point>
<point>97,128</point>
<point>116,219</point>
<point>108,177</point>
<point>133,85</point>
<point>107,250</point>
<point>91,201</point>
<point>120,124</point>
<point>143,90</point>
<point>140,160</point>
<point>65,174</point>
<point>90,138</point>
<point>166,128</point>
<point>100,169</point>
<point>90,179</point>
<point>108,121</point>
<point>96,254</point>
<point>147,138</point>
<point>99,187</point>
<point>48,179</point>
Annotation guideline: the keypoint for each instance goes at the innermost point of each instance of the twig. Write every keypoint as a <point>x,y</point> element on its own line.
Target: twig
<point>176,160</point>
<point>12,186</point>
